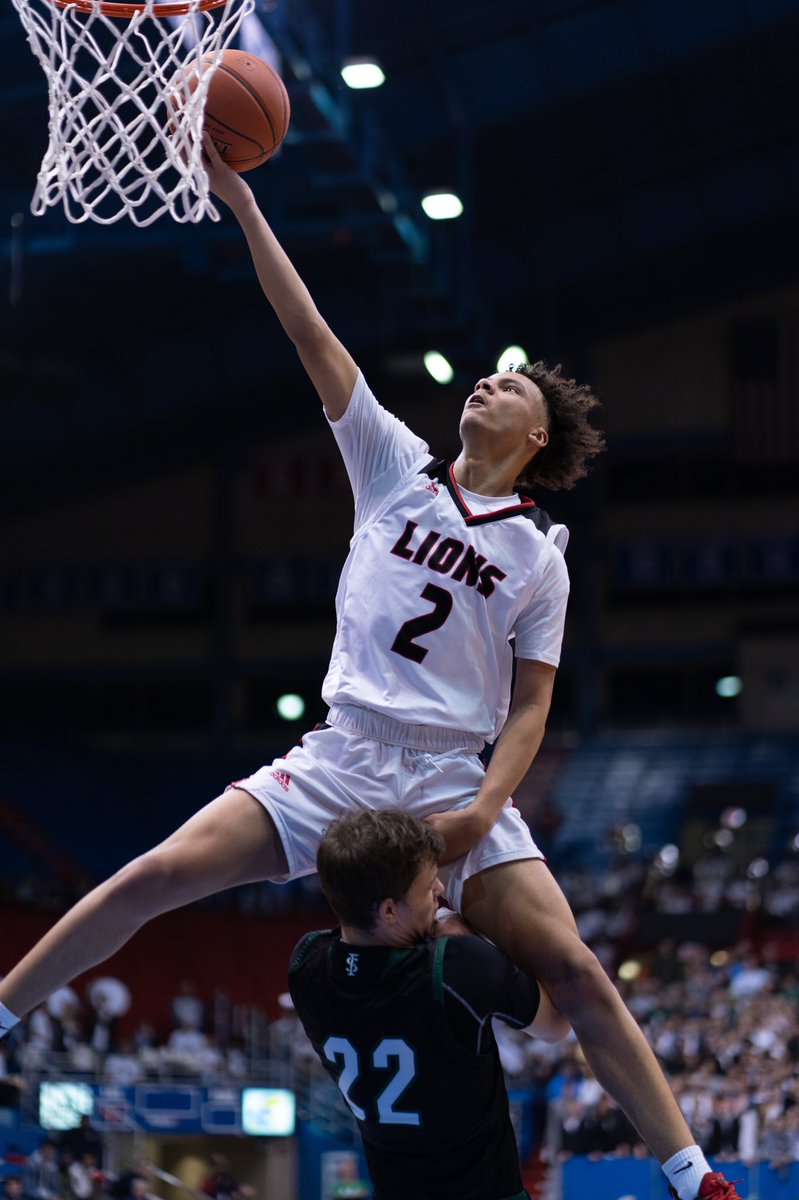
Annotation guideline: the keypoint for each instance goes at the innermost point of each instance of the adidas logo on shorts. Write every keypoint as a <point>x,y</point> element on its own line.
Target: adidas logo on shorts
<point>283,778</point>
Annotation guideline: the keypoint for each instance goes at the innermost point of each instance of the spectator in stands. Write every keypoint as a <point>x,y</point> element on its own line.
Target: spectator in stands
<point>749,976</point>
<point>124,1066</point>
<point>779,1144</point>
<point>41,1179</point>
<point>188,1010</point>
<point>666,966</point>
<point>725,1130</point>
<point>782,895</point>
<point>103,1025</point>
<point>606,1130</point>
<point>10,1078</point>
<point>288,1041</point>
<point>569,1133</point>
<point>84,1177</point>
<point>146,1048</point>
<point>348,1184</point>
<point>220,1184</point>
<point>236,1059</point>
<point>144,1037</point>
<point>82,1140</point>
<point>185,1049</point>
<point>41,1037</point>
<point>134,1184</point>
<point>12,1188</point>
<point>141,1189</point>
<point>211,1061</point>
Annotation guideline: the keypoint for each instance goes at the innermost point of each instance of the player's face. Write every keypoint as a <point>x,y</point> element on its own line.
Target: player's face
<point>508,406</point>
<point>416,911</point>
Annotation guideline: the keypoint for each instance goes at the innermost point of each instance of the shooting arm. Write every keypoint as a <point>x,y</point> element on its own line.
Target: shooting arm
<point>329,365</point>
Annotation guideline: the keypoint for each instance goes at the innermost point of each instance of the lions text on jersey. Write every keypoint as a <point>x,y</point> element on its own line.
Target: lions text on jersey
<point>437,583</point>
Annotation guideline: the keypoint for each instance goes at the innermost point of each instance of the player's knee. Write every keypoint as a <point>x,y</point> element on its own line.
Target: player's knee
<point>578,978</point>
<point>147,885</point>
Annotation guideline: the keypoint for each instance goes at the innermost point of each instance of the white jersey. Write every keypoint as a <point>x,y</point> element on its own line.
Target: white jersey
<point>436,584</point>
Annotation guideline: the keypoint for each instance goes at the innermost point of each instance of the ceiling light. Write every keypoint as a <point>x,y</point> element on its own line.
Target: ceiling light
<point>667,859</point>
<point>511,357</point>
<point>442,205</point>
<point>439,368</point>
<point>361,73</point>
<point>729,686</point>
<point>629,970</point>
<point>290,706</point>
<point>758,868</point>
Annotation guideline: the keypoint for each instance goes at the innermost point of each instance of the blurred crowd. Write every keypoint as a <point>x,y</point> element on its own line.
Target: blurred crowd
<point>84,1038</point>
<point>70,1166</point>
<point>725,1025</point>
<point>724,1020</point>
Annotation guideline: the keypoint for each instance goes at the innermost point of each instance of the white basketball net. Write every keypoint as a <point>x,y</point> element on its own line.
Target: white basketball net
<point>125,128</point>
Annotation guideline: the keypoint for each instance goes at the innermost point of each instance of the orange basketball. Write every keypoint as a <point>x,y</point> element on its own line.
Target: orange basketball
<point>247,110</point>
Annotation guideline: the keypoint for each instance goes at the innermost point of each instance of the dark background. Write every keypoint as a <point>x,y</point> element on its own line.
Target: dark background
<point>172,511</point>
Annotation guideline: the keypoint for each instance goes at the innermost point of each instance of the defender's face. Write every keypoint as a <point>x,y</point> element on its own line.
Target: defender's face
<point>416,911</point>
<point>507,404</point>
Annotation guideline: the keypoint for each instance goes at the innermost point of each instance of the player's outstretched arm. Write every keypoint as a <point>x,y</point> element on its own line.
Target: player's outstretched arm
<point>514,752</point>
<point>330,366</point>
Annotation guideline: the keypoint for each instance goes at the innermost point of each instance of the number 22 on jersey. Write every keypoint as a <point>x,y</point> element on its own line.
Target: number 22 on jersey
<point>388,1052</point>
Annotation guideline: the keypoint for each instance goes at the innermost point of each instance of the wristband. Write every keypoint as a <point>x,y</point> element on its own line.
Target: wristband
<point>7,1020</point>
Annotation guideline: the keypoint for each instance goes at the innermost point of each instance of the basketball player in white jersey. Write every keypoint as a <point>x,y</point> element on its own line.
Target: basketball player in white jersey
<point>447,563</point>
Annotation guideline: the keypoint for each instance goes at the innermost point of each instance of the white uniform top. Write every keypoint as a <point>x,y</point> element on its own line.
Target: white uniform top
<point>436,582</point>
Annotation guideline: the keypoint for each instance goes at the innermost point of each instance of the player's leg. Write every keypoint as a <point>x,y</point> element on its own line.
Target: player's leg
<point>520,907</point>
<point>231,841</point>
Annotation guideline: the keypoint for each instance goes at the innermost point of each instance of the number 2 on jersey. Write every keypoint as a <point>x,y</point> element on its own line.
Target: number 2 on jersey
<point>386,1050</point>
<point>404,643</point>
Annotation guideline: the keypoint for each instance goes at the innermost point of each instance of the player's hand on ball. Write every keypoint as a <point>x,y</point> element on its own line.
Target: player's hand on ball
<point>226,184</point>
<point>460,830</point>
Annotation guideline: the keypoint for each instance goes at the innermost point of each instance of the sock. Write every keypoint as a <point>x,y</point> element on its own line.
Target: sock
<point>685,1171</point>
<point>7,1019</point>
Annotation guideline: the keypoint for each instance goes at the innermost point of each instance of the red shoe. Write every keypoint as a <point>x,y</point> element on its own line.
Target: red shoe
<point>713,1187</point>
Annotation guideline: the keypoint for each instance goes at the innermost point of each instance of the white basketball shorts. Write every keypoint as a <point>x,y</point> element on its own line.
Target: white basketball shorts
<point>363,760</point>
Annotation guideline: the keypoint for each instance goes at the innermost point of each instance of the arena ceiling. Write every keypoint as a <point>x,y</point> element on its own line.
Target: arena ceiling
<point>619,160</point>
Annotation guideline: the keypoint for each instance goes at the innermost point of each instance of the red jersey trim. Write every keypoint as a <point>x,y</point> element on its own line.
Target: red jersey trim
<point>499,514</point>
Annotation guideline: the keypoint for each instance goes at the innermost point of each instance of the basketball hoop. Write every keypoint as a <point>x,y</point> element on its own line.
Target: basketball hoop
<point>127,88</point>
<point>113,8</point>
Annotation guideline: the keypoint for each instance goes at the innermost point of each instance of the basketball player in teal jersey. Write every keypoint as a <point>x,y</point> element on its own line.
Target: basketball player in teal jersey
<point>401,1019</point>
<point>418,681</point>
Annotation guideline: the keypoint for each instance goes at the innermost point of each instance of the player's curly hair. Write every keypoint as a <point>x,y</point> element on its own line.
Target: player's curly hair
<point>573,440</point>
